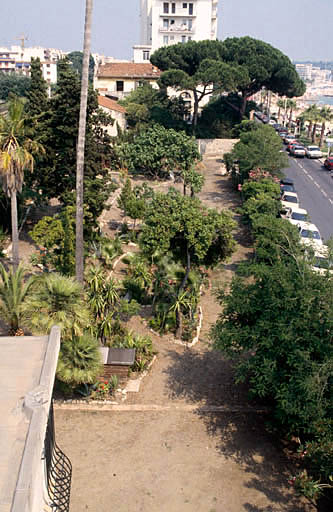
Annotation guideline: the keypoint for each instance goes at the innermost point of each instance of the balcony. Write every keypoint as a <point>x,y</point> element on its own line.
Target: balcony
<point>180,14</point>
<point>178,29</point>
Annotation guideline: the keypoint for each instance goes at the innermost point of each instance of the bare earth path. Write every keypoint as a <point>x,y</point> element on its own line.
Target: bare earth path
<point>190,440</point>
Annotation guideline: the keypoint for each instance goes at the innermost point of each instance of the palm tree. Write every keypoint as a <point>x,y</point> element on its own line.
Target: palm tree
<point>79,361</point>
<point>280,104</point>
<point>13,293</point>
<point>326,116</point>
<point>57,300</point>
<point>316,118</point>
<point>292,105</point>
<point>79,249</point>
<point>181,302</point>
<point>16,150</point>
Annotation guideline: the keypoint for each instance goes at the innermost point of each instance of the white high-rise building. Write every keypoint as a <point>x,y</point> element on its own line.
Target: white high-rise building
<point>163,23</point>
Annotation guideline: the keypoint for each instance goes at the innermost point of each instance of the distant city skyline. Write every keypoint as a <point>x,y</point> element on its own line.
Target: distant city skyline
<point>298,28</point>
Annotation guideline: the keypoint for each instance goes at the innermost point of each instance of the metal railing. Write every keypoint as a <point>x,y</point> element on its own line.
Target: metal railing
<point>58,470</point>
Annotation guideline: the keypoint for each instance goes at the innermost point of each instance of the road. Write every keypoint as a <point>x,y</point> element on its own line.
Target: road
<point>314,187</point>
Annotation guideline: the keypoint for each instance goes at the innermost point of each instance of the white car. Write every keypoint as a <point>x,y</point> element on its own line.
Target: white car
<point>309,234</point>
<point>289,200</point>
<point>297,215</point>
<point>322,260</point>
<point>313,152</point>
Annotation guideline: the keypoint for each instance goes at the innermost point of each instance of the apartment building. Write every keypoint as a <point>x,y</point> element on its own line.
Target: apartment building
<point>164,23</point>
<point>18,59</point>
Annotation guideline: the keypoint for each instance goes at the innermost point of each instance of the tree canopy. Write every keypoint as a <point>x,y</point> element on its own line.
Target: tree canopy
<point>156,151</point>
<point>264,65</point>
<point>197,66</point>
<point>76,58</point>
<point>13,84</point>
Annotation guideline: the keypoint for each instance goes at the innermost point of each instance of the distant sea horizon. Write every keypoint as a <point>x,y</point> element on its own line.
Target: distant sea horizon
<point>321,100</point>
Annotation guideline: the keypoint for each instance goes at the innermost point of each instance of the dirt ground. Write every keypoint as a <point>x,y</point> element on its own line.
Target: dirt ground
<point>190,440</point>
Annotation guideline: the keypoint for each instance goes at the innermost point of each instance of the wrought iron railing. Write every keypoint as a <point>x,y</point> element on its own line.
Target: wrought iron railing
<point>58,470</point>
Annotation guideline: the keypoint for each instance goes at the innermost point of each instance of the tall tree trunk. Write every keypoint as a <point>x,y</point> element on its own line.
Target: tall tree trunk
<point>244,103</point>
<point>309,129</point>
<point>195,110</point>
<point>79,248</point>
<point>322,133</point>
<point>15,237</point>
<point>313,138</point>
<point>179,318</point>
<point>290,117</point>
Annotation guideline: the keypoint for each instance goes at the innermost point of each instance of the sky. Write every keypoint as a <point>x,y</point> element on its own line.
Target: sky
<point>302,29</point>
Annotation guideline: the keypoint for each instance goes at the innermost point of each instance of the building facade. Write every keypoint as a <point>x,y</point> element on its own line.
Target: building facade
<point>118,79</point>
<point>17,59</point>
<point>164,23</point>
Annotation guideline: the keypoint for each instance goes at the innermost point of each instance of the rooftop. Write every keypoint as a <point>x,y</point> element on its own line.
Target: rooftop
<point>27,370</point>
<point>128,70</point>
<point>110,104</point>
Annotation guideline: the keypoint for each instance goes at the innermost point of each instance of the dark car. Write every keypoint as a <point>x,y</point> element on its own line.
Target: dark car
<point>329,163</point>
<point>287,185</point>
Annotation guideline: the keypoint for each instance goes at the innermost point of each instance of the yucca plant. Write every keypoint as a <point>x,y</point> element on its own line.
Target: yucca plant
<point>79,361</point>
<point>57,300</point>
<point>13,293</point>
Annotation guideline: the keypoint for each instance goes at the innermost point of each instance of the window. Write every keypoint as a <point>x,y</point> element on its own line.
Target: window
<point>189,24</point>
<point>145,54</point>
<point>165,40</point>
<point>172,38</point>
<point>183,39</point>
<point>166,8</point>
<point>173,8</point>
<point>189,38</point>
<point>166,24</point>
<point>119,85</point>
<point>47,65</point>
<point>190,8</point>
<point>185,6</point>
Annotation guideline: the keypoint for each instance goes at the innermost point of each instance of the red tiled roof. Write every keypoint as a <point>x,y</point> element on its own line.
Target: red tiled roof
<point>110,104</point>
<point>128,70</point>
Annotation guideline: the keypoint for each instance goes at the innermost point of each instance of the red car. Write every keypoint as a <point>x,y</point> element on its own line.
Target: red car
<point>329,163</point>
<point>291,144</point>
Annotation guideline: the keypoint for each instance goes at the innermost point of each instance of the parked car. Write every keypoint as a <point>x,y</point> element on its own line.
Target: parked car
<point>287,185</point>
<point>313,152</point>
<point>297,150</point>
<point>309,234</point>
<point>329,163</point>
<point>289,200</point>
<point>322,260</point>
<point>297,215</point>
<point>287,139</point>
<point>291,144</point>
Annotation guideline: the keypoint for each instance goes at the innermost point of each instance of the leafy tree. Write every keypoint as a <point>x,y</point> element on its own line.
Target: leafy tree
<point>13,292</point>
<point>133,201</point>
<point>16,155</point>
<point>259,148</point>
<point>37,100</point>
<point>194,234</point>
<point>282,321</point>
<point>13,84</point>
<point>79,361</point>
<point>57,300</point>
<point>157,151</point>
<point>147,104</point>
<point>264,66</point>
<point>56,236</point>
<point>220,117</point>
<point>76,59</point>
<point>56,173</point>
<point>197,66</point>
